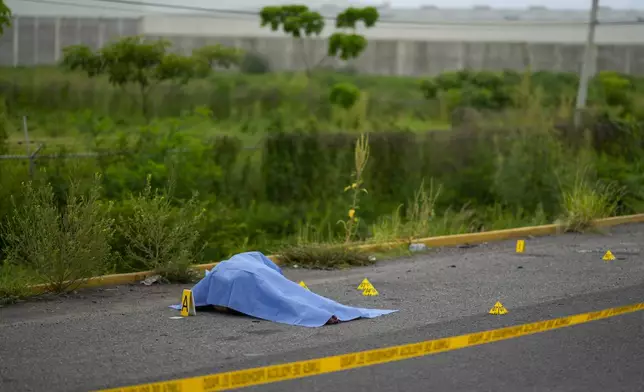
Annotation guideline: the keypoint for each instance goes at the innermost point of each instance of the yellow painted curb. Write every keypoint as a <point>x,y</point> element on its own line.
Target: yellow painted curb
<point>619,220</point>
<point>447,240</point>
<point>128,278</point>
<point>470,238</point>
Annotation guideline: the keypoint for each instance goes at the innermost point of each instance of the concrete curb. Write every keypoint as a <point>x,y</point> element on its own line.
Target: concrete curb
<point>447,240</point>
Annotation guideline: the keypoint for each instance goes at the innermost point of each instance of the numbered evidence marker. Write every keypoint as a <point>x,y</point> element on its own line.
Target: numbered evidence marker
<point>365,284</point>
<point>520,246</point>
<point>608,256</point>
<point>188,304</point>
<point>304,285</point>
<point>498,308</point>
<point>370,292</point>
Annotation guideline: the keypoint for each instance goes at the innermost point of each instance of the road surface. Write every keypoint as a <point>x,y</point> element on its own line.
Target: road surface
<point>124,335</point>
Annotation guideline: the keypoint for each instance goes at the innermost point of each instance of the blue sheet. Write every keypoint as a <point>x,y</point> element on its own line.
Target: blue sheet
<point>252,284</point>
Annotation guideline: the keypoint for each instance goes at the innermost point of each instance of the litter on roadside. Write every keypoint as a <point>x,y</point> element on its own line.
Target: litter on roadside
<point>417,247</point>
<point>150,280</point>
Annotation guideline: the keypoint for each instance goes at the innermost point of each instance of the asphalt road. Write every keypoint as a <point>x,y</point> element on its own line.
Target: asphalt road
<point>124,335</point>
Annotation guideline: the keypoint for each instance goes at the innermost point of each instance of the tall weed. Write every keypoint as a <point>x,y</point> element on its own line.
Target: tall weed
<point>361,156</point>
<point>421,210</point>
<point>160,236</point>
<point>64,246</point>
<point>585,201</point>
<point>421,220</point>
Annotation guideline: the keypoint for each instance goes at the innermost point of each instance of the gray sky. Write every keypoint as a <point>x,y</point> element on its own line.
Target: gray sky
<point>576,4</point>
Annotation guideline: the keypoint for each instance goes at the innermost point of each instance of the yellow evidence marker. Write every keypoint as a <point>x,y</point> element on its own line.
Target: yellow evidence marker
<point>520,246</point>
<point>365,285</point>
<point>498,308</point>
<point>370,292</point>
<point>608,256</point>
<point>304,285</point>
<point>188,304</point>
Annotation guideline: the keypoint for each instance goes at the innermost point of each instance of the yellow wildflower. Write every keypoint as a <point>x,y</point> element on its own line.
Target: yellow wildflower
<point>352,212</point>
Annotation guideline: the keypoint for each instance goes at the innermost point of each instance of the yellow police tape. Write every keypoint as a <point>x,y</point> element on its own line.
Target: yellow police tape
<point>288,371</point>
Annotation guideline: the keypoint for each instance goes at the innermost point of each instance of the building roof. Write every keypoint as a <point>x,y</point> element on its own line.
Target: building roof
<point>329,8</point>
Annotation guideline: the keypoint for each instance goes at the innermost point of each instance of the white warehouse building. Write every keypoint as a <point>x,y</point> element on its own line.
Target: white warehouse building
<point>423,41</point>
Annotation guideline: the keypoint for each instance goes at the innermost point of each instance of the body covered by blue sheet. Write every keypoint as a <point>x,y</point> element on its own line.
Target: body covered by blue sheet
<point>252,284</point>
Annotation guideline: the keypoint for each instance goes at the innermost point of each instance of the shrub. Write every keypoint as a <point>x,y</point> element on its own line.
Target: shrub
<point>585,201</point>
<point>344,95</point>
<point>254,63</point>
<point>63,246</point>
<point>160,236</point>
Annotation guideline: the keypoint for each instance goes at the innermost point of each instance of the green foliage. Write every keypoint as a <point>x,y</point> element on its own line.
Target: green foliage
<point>128,60</point>
<point>346,46</point>
<point>481,90</point>
<point>5,16</point>
<point>350,17</point>
<point>344,95</point>
<point>295,20</point>
<point>585,201</point>
<point>4,127</point>
<point>66,245</point>
<point>160,236</point>
<point>616,90</point>
<point>270,154</point>
<point>526,173</point>
<point>82,58</point>
<point>323,256</point>
<point>137,61</point>
<point>177,68</point>
<point>350,45</point>
<point>254,63</point>
<point>14,282</point>
<point>218,55</point>
<point>298,21</point>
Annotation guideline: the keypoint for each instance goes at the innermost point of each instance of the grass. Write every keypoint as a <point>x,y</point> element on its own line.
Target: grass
<point>585,201</point>
<point>14,282</point>
<point>323,256</point>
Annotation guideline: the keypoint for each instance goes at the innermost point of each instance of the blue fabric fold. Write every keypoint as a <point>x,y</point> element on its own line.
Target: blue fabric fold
<point>252,284</point>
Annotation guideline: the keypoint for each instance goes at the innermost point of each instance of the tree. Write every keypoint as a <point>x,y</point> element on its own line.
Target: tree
<point>136,61</point>
<point>5,16</point>
<point>210,56</point>
<point>299,22</point>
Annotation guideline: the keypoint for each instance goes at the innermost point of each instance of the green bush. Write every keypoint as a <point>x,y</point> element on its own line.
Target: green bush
<point>344,95</point>
<point>160,236</point>
<point>63,245</point>
<point>254,63</point>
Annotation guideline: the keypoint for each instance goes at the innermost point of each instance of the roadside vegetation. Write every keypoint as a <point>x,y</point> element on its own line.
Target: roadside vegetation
<point>188,159</point>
